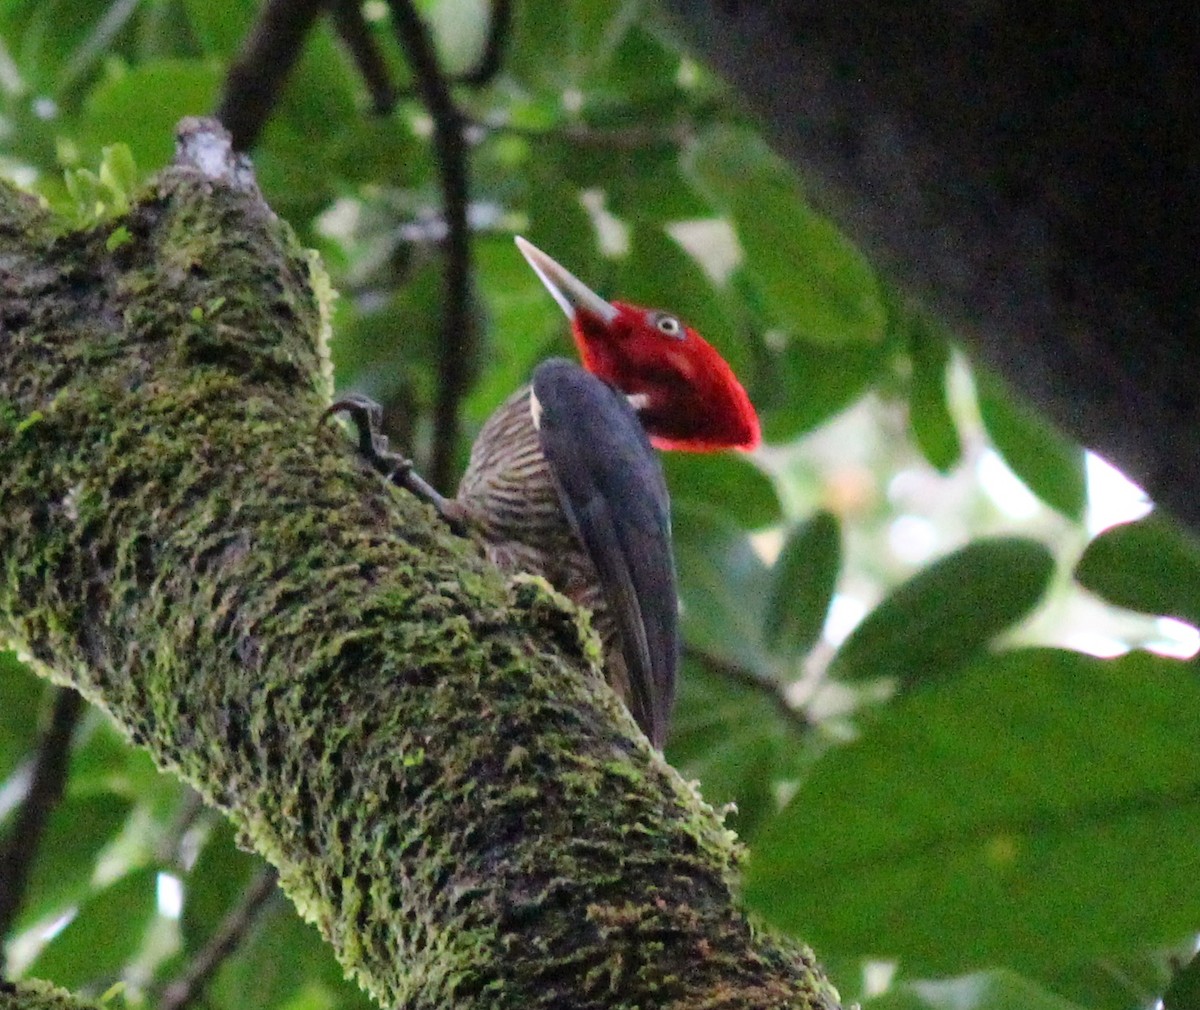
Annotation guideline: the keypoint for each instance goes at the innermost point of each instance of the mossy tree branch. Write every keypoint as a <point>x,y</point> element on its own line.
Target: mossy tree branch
<point>38,995</point>
<point>425,751</point>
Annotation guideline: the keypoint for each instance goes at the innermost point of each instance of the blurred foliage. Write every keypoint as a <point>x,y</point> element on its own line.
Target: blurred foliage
<point>927,794</point>
<point>939,620</point>
<point>994,990</point>
<point>1148,565</point>
<point>1184,990</point>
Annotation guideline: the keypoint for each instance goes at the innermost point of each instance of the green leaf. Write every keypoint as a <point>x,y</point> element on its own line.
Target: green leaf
<point>559,225</point>
<point>118,237</point>
<point>34,141</point>
<point>723,586</point>
<point>103,937</point>
<point>78,830</point>
<point>1120,980</point>
<point>320,90</point>
<point>118,172</point>
<point>282,959</point>
<point>104,761</point>
<point>1184,990</point>
<point>939,620</point>
<point>804,577</point>
<point>817,284</point>
<point>368,351</point>
<point>556,43</point>
<point>524,324</point>
<point>304,145</point>
<point>1151,565</point>
<point>459,29</point>
<point>643,71</point>
<point>166,29</point>
<point>658,274</point>
<point>21,696</point>
<point>371,151</point>
<point>214,885</point>
<point>646,187</point>
<point>989,990</point>
<point>829,380</point>
<point>928,408</point>
<point>1040,810</point>
<point>84,188</point>
<point>737,740</point>
<point>727,482</point>
<point>221,25</point>
<point>118,109</point>
<point>41,36</point>
<point>1049,464</point>
<point>652,188</point>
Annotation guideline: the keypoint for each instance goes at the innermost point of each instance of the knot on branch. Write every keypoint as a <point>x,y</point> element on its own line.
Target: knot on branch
<point>205,146</point>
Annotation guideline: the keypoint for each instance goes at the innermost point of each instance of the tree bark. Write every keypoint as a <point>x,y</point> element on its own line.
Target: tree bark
<point>1030,171</point>
<point>426,751</point>
<point>37,995</point>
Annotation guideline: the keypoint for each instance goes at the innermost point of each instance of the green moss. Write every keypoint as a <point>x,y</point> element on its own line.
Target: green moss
<point>33,994</point>
<point>426,751</point>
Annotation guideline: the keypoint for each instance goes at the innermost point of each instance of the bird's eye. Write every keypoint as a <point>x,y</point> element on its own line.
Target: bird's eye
<point>669,325</point>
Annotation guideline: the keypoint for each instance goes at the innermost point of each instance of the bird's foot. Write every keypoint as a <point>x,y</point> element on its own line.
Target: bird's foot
<point>367,417</point>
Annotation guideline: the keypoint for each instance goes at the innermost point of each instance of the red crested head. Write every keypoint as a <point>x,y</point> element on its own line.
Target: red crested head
<point>685,393</point>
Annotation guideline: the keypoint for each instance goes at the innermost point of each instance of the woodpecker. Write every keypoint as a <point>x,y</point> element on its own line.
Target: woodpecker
<point>563,482</point>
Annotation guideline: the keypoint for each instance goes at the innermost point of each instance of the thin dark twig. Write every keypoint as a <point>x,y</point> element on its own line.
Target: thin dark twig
<point>257,76</point>
<point>499,29</point>
<point>191,806</point>
<point>191,982</point>
<point>354,31</point>
<point>45,790</point>
<point>770,688</point>
<point>492,57</point>
<point>456,359</point>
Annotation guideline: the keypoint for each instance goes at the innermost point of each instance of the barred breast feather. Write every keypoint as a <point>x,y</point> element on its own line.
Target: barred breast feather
<point>515,505</point>
<point>541,489</point>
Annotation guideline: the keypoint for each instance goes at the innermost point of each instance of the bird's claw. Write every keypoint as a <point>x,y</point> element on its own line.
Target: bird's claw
<point>367,417</point>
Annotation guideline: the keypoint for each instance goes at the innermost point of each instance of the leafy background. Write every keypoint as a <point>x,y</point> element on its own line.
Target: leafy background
<point>956,711</point>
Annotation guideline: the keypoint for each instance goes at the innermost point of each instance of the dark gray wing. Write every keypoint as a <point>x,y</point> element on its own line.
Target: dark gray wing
<point>611,486</point>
